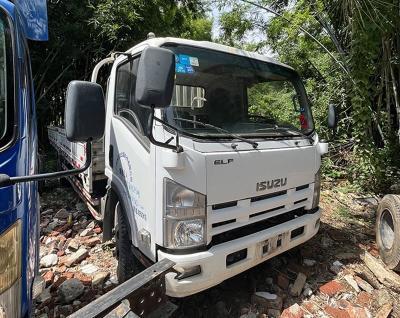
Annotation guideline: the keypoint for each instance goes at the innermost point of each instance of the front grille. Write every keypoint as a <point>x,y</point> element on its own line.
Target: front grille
<point>257,227</point>
<point>229,215</point>
<point>266,211</point>
<point>224,223</point>
<point>224,205</point>
<point>302,187</point>
<point>268,196</point>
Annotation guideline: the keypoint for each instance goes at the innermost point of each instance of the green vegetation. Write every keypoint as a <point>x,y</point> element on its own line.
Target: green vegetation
<point>84,32</point>
<point>364,37</point>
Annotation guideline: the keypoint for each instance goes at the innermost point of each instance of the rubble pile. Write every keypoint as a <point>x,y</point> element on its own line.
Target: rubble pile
<point>75,266</point>
<point>336,274</point>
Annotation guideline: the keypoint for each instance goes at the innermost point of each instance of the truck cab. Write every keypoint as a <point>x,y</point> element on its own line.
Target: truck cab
<point>19,203</point>
<point>223,178</point>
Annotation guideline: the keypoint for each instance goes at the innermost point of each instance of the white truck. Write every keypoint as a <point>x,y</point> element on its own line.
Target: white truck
<point>219,177</point>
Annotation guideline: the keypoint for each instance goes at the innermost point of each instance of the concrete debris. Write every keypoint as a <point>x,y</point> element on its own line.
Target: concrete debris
<point>336,267</point>
<point>298,285</point>
<point>384,311</point>
<point>86,232</point>
<point>70,290</point>
<point>89,269</point>
<point>73,245</point>
<point>293,311</point>
<point>76,257</point>
<point>49,260</point>
<point>307,292</point>
<point>99,278</point>
<point>364,285</point>
<point>44,296</point>
<point>352,282</point>
<point>62,214</point>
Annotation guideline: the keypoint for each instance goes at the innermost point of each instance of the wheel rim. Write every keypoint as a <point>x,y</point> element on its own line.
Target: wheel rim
<point>387,229</point>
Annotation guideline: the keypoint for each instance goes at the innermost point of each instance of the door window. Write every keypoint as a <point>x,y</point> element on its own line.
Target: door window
<point>6,83</point>
<point>125,103</point>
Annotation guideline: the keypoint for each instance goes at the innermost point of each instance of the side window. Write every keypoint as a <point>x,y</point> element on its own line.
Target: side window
<point>125,104</point>
<point>6,83</point>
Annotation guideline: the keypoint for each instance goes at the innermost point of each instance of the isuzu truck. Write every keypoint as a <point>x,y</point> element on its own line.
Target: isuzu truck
<point>210,159</point>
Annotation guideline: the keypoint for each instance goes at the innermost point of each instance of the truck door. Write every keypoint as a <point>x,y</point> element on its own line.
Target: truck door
<point>131,158</point>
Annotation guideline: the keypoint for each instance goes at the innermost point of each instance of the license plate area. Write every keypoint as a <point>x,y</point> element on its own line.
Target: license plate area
<point>274,244</point>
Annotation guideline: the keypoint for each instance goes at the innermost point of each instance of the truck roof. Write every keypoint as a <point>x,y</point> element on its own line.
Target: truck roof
<point>211,46</point>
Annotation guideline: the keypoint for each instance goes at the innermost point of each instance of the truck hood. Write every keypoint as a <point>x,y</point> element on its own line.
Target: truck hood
<point>237,175</point>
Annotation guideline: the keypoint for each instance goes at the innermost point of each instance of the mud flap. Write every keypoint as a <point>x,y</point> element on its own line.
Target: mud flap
<point>141,296</point>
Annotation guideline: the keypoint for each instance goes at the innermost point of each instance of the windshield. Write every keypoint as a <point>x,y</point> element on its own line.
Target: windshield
<point>243,96</point>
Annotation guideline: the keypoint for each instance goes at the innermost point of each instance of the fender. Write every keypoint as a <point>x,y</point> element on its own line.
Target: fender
<point>119,195</point>
<point>113,197</point>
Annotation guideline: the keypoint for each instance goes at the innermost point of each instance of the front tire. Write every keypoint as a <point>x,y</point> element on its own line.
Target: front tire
<point>388,231</point>
<point>128,264</point>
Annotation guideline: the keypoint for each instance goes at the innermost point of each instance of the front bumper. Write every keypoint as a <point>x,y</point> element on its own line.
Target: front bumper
<point>213,262</point>
<point>10,301</point>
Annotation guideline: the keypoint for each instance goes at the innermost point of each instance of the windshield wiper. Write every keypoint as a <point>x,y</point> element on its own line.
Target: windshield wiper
<point>253,143</point>
<point>285,129</point>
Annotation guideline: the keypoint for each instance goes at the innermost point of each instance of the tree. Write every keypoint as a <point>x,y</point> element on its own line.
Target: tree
<point>363,36</point>
<point>84,32</point>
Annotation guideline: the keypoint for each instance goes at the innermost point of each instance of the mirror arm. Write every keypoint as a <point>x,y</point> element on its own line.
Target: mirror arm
<point>6,180</point>
<point>178,148</point>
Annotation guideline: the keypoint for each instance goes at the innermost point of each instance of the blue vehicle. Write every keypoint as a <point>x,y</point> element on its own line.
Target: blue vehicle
<point>20,20</point>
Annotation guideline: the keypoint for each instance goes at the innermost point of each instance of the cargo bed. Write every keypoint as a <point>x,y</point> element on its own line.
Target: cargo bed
<point>91,184</point>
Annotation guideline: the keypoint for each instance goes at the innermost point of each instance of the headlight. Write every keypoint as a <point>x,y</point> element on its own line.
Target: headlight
<point>184,216</point>
<point>317,189</point>
<point>10,256</point>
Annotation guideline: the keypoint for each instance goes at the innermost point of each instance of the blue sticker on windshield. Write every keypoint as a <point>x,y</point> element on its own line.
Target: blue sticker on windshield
<point>189,69</point>
<point>184,69</point>
<point>180,68</point>
<point>184,59</point>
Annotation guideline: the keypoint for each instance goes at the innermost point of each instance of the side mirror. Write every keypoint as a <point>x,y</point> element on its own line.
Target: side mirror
<point>84,121</point>
<point>84,111</point>
<point>155,77</point>
<point>333,117</point>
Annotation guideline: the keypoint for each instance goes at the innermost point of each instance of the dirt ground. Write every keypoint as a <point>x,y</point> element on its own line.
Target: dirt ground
<point>326,277</point>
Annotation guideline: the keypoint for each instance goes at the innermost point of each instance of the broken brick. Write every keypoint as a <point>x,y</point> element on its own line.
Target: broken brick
<point>364,299</point>
<point>60,253</point>
<point>336,312</point>
<point>48,277</point>
<point>283,281</point>
<point>93,241</point>
<point>85,279</point>
<point>353,311</point>
<point>332,288</point>
<point>310,307</point>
